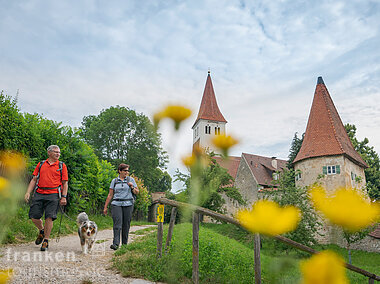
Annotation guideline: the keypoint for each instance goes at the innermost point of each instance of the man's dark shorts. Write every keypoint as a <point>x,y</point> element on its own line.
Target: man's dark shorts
<point>44,202</point>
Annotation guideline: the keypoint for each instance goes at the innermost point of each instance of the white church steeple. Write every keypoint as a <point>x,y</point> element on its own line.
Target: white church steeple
<point>210,121</point>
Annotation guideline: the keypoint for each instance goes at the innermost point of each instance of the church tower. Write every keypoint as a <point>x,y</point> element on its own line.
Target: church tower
<point>210,121</point>
<point>327,154</point>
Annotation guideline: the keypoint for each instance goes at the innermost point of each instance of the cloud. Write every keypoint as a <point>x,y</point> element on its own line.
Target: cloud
<point>70,59</point>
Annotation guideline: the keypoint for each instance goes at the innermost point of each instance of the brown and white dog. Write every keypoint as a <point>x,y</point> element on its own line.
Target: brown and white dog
<point>87,231</point>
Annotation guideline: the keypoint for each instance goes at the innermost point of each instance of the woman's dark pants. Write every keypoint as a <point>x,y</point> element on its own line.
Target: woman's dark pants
<point>121,216</point>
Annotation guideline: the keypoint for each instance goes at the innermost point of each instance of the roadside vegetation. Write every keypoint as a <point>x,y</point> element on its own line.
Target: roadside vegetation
<point>22,229</point>
<point>225,256</point>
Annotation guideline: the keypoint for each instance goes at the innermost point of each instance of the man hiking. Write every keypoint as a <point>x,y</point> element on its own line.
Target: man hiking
<point>50,179</point>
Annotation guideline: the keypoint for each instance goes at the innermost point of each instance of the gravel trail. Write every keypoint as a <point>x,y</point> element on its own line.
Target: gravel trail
<point>64,261</point>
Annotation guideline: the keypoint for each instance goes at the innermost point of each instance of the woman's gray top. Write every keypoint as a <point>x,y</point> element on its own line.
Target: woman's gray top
<point>122,195</point>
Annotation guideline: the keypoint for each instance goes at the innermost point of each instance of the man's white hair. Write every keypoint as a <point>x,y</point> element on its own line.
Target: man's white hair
<point>51,147</point>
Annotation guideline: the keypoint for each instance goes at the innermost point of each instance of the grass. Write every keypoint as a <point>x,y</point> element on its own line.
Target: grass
<point>362,259</point>
<point>226,256</point>
<point>23,230</point>
<point>222,257</point>
<point>143,231</point>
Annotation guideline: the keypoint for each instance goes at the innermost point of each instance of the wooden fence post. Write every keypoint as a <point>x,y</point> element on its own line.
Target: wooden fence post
<point>160,229</point>
<point>171,227</point>
<point>257,259</point>
<point>195,248</point>
<point>160,233</point>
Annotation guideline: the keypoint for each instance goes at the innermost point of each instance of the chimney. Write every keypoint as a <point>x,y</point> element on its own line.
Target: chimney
<point>274,162</point>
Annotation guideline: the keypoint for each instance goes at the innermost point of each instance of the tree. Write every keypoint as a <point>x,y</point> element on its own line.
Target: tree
<point>294,149</point>
<point>289,194</point>
<point>352,238</point>
<point>369,155</point>
<point>12,125</point>
<point>31,134</point>
<point>213,181</point>
<point>143,200</point>
<point>120,135</point>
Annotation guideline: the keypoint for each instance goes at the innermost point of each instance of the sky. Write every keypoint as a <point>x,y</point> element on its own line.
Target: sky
<point>70,59</point>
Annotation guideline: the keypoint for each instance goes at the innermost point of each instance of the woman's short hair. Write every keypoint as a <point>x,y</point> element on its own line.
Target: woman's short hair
<point>122,167</point>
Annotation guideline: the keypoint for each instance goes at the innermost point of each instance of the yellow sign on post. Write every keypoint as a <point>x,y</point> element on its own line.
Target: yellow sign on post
<point>160,213</point>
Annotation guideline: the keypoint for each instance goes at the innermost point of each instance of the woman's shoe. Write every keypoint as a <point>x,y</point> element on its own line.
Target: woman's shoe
<point>114,247</point>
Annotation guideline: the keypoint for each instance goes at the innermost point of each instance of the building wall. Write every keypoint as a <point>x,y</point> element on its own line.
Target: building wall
<point>312,171</point>
<point>247,186</point>
<point>199,133</point>
<point>350,167</point>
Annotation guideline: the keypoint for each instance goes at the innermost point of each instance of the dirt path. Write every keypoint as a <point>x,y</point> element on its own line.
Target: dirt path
<point>64,262</point>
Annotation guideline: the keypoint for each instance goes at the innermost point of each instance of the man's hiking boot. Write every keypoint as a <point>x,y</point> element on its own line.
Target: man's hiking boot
<point>114,247</point>
<point>45,245</point>
<point>40,237</point>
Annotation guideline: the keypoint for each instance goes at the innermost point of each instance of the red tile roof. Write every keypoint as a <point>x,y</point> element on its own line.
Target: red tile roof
<point>209,109</point>
<point>376,232</point>
<point>262,169</point>
<point>325,134</point>
<point>231,164</point>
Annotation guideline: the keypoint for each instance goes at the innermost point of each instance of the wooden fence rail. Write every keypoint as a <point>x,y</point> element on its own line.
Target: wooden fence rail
<point>200,210</point>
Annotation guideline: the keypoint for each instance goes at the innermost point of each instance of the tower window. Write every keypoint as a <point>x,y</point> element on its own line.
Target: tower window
<point>331,170</point>
<point>353,176</point>
<point>208,129</point>
<point>298,176</point>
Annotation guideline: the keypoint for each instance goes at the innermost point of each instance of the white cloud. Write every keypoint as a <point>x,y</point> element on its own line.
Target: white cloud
<point>71,59</point>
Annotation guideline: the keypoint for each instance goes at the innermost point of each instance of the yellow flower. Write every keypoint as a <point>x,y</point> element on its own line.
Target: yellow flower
<point>175,112</point>
<point>188,161</point>
<point>5,275</point>
<point>13,162</point>
<point>4,187</point>
<point>323,268</point>
<point>198,154</point>
<point>267,217</point>
<point>346,207</point>
<point>224,143</point>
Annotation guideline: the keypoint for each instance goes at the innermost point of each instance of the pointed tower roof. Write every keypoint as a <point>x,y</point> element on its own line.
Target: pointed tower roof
<point>209,109</point>
<point>325,134</point>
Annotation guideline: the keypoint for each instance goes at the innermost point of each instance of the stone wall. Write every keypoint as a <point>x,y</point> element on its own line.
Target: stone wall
<point>312,168</point>
<point>369,243</point>
<point>247,186</point>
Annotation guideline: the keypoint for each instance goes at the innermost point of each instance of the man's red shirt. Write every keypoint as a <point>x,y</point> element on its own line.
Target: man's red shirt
<point>50,176</point>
